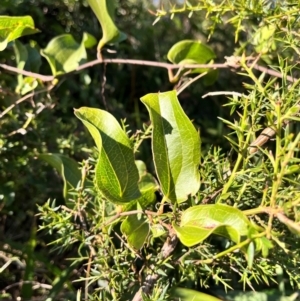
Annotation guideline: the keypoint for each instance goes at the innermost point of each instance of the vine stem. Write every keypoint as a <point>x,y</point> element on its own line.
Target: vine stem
<point>231,62</point>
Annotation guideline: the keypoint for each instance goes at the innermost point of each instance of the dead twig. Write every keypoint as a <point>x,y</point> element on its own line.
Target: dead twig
<point>150,280</point>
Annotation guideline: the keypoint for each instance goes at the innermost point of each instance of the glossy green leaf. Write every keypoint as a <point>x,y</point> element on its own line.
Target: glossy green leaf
<point>104,11</point>
<point>12,28</point>
<point>190,52</point>
<point>175,146</point>
<point>198,222</point>
<point>64,54</point>
<point>66,167</point>
<point>136,230</point>
<point>185,294</point>
<point>194,52</point>
<point>116,173</point>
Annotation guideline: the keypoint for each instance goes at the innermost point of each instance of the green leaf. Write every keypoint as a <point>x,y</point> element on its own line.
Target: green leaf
<point>190,52</point>
<point>104,11</point>
<point>66,167</point>
<point>34,60</point>
<point>64,54</point>
<point>185,294</point>
<point>175,146</point>
<point>147,186</point>
<point>89,40</point>
<point>194,52</point>
<point>27,57</point>
<point>21,58</point>
<point>157,230</point>
<point>265,295</point>
<point>12,28</point>
<point>136,230</point>
<point>198,222</point>
<point>116,173</point>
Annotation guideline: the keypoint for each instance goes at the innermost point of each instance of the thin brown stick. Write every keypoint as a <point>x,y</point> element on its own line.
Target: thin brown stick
<point>274,73</point>
<point>44,78</point>
<point>228,64</point>
<point>150,280</point>
<point>27,96</point>
<point>185,85</point>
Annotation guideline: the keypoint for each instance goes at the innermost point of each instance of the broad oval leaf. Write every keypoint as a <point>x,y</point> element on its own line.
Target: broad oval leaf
<point>66,167</point>
<point>175,146</point>
<point>190,52</point>
<point>136,230</point>
<point>194,52</point>
<point>116,173</point>
<point>64,54</point>
<point>185,294</point>
<point>12,28</point>
<point>104,11</point>
<point>198,222</point>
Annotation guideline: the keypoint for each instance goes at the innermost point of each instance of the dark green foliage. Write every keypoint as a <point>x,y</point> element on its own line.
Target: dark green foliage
<point>66,241</point>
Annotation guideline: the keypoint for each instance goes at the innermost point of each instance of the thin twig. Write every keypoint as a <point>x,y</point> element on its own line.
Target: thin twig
<point>27,96</point>
<point>274,73</point>
<point>228,64</point>
<point>223,93</point>
<point>267,134</point>
<point>185,85</point>
<point>150,280</point>
<point>36,285</point>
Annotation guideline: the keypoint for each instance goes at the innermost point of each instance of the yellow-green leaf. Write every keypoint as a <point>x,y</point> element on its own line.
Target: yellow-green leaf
<point>12,28</point>
<point>64,54</point>
<point>175,146</point>
<point>66,167</point>
<point>198,222</point>
<point>185,294</point>
<point>104,11</point>
<point>116,173</point>
<point>136,230</point>
<point>194,52</point>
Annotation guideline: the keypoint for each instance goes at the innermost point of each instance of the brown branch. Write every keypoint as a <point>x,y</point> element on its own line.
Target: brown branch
<point>274,73</point>
<point>228,64</point>
<point>27,96</point>
<point>150,280</point>
<point>268,133</point>
<point>43,78</point>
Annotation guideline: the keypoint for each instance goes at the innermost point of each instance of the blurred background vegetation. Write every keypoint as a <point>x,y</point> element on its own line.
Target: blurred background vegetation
<point>49,124</point>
